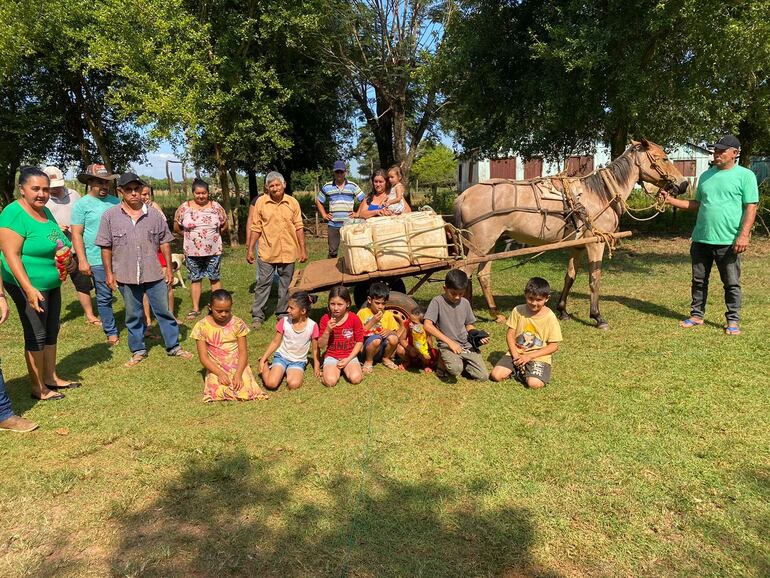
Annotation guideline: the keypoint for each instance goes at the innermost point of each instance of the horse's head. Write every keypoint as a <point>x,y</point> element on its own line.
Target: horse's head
<point>655,167</point>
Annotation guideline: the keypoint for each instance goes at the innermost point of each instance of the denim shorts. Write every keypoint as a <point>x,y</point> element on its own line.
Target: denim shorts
<point>286,364</point>
<point>200,267</point>
<point>380,351</point>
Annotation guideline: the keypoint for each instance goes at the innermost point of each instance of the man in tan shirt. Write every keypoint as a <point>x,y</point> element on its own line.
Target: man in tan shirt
<point>277,225</point>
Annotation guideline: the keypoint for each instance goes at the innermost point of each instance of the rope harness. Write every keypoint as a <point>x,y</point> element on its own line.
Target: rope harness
<point>574,212</point>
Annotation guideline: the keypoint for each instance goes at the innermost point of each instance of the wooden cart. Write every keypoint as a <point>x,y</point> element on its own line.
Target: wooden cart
<point>324,274</point>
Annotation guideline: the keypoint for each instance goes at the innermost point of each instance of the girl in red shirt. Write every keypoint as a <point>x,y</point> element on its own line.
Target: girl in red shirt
<point>342,334</point>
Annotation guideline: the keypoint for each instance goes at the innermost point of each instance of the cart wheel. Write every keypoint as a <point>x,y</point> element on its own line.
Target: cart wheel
<point>401,305</point>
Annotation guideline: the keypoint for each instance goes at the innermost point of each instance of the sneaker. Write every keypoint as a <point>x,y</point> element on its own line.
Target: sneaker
<point>18,424</point>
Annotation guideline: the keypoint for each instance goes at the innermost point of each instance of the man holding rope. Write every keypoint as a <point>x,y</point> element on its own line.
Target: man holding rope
<point>726,203</point>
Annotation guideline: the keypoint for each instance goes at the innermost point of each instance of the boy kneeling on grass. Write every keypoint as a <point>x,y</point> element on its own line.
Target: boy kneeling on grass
<point>533,337</point>
<point>381,330</point>
<point>449,318</point>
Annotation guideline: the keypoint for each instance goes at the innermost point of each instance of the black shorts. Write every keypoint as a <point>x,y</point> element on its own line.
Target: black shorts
<point>82,283</point>
<point>40,329</point>
<point>537,369</point>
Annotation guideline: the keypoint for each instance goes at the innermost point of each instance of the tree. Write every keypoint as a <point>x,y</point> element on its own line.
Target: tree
<point>435,167</point>
<point>386,54</point>
<point>555,76</point>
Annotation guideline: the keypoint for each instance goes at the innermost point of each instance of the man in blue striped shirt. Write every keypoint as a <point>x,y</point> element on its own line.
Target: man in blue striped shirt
<point>342,196</point>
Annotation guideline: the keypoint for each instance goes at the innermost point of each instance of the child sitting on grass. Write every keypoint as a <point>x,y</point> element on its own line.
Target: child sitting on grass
<point>381,330</point>
<point>449,318</point>
<point>342,335</point>
<point>418,344</point>
<point>533,337</point>
<point>223,353</point>
<point>294,334</point>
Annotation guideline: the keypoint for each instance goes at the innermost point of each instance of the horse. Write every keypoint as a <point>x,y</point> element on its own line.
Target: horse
<point>558,208</point>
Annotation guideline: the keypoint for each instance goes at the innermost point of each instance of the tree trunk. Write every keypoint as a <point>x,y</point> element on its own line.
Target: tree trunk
<point>236,210</point>
<point>746,133</point>
<point>87,108</point>
<point>7,180</point>
<point>618,141</point>
<point>253,186</point>
<point>223,182</point>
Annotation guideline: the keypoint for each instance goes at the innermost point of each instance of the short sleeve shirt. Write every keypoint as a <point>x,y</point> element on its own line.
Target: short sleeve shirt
<point>533,333</point>
<point>134,246</point>
<point>344,337</point>
<point>277,223</point>
<point>387,324</point>
<point>88,212</point>
<point>201,229</point>
<point>61,208</point>
<point>451,319</point>
<point>342,201</point>
<point>722,195</point>
<point>295,344</point>
<point>38,250</point>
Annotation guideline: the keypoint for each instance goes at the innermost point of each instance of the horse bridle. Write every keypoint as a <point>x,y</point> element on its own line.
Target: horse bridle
<point>671,183</point>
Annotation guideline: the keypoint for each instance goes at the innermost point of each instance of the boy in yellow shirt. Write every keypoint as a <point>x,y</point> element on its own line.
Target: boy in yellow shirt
<point>382,331</point>
<point>533,337</point>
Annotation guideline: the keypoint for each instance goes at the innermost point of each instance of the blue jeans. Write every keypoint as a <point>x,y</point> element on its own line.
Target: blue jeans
<point>157,294</point>
<point>104,300</point>
<point>5,401</point>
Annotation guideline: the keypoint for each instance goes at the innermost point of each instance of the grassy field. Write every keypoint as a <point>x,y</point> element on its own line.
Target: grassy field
<point>647,455</point>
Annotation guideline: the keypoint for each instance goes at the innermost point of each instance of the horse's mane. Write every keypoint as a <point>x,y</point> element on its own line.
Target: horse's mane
<point>620,169</point>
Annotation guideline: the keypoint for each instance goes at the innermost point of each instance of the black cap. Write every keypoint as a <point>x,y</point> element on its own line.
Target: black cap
<point>726,142</point>
<point>126,178</point>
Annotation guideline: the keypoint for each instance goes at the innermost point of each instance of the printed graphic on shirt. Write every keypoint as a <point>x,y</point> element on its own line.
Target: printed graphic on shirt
<point>529,338</point>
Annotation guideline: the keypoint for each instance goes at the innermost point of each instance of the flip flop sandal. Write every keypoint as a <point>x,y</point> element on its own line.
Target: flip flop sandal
<point>182,354</point>
<point>54,397</point>
<point>390,364</point>
<point>192,315</point>
<point>136,359</point>
<point>689,323</point>
<point>70,385</point>
<point>96,322</point>
<point>732,329</point>
<point>367,368</point>
<point>112,340</point>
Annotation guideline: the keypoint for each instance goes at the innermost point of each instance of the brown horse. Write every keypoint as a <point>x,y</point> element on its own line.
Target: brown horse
<point>552,209</point>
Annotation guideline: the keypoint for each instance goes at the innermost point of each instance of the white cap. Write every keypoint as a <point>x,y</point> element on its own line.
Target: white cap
<point>55,175</point>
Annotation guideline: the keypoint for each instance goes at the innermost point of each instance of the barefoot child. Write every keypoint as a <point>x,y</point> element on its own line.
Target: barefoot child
<point>419,348</point>
<point>449,319</point>
<point>395,200</point>
<point>223,353</point>
<point>294,335</point>
<point>381,330</point>
<point>342,335</point>
<point>533,337</point>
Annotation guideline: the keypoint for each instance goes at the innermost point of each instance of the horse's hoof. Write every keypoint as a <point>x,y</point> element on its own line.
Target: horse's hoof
<point>604,326</point>
<point>564,316</point>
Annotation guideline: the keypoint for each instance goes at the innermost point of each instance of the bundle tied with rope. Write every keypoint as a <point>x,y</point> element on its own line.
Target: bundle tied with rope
<point>384,243</point>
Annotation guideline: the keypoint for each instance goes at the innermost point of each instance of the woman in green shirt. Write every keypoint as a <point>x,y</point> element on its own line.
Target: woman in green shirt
<point>28,239</point>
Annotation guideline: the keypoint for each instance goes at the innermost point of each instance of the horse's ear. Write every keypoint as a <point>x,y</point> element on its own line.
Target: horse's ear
<point>645,143</point>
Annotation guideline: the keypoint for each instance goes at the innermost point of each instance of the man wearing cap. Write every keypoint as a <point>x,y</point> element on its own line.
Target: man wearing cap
<point>61,203</point>
<point>130,237</point>
<point>342,195</point>
<point>726,203</point>
<point>86,218</point>
<point>277,226</point>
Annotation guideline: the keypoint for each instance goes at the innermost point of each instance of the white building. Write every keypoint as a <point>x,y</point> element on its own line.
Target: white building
<point>691,160</point>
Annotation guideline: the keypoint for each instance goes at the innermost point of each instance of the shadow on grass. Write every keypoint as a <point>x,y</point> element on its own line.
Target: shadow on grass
<point>229,516</point>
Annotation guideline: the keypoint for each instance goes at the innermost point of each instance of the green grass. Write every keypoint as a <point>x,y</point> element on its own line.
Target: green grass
<point>646,456</point>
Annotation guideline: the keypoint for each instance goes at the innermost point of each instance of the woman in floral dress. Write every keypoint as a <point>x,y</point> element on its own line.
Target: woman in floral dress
<point>202,222</point>
<point>223,352</point>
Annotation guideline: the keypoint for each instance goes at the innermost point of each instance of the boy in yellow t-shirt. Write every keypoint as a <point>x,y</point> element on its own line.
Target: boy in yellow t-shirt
<point>533,337</point>
<point>382,331</point>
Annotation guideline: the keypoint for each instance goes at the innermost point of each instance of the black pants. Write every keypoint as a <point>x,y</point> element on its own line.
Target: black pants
<point>40,329</point>
<point>729,266</point>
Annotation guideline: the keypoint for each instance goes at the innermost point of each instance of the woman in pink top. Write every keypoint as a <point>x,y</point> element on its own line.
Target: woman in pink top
<point>202,222</point>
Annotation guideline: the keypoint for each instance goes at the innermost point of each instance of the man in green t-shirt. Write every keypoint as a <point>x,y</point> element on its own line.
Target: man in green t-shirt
<point>726,203</point>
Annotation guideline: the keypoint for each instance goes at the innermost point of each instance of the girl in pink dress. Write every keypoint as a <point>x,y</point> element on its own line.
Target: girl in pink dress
<point>223,352</point>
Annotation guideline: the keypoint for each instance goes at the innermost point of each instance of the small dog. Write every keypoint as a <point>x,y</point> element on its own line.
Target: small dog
<point>177,261</point>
